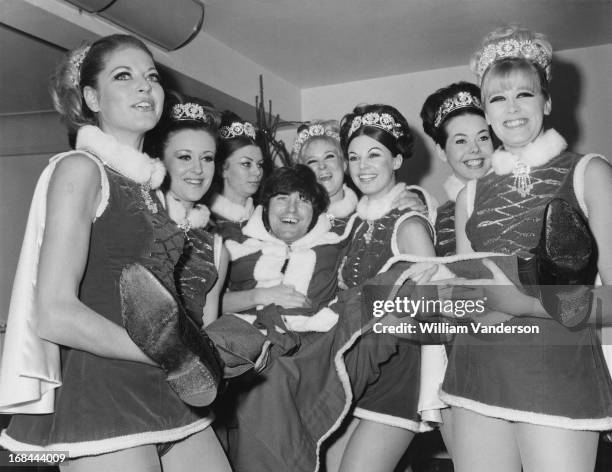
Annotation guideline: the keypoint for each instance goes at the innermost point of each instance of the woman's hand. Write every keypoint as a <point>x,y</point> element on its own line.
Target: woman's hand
<point>409,200</point>
<point>283,295</point>
<point>499,293</point>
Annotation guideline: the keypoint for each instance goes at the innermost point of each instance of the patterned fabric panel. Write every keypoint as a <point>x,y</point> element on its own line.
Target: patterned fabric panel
<point>503,220</point>
<point>369,249</point>
<point>446,243</point>
<point>195,273</point>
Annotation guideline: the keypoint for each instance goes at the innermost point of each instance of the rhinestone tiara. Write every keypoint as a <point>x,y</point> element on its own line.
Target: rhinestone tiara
<point>460,100</point>
<point>237,129</point>
<point>383,121</point>
<point>311,132</point>
<point>190,112</point>
<point>76,61</point>
<point>506,48</point>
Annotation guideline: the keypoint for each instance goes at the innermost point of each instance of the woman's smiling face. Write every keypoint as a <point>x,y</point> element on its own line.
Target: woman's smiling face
<point>326,161</point>
<point>189,157</point>
<point>372,166</point>
<point>468,146</point>
<point>515,107</point>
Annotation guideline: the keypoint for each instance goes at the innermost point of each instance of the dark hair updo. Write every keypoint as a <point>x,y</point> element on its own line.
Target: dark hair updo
<point>297,178</point>
<point>383,123</point>
<point>433,109</point>
<point>80,68</point>
<point>180,113</point>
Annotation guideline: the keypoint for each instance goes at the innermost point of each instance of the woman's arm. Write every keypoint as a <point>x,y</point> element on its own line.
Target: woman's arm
<point>413,237</point>
<point>598,200</point>
<point>72,198</point>
<point>461,216</point>
<point>211,307</point>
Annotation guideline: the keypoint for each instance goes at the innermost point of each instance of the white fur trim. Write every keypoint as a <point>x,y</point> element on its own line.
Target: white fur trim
<point>373,210</point>
<point>546,146</point>
<point>346,206</point>
<point>397,421</point>
<point>431,204</point>
<point>225,208</point>
<point>394,246</point>
<point>267,271</point>
<point>103,446</point>
<point>452,186</point>
<point>217,248</point>
<point>121,158</point>
<point>300,269</point>
<point>509,414</point>
<point>579,179</point>
<point>237,250</point>
<point>321,322</point>
<point>30,369</point>
<point>438,260</point>
<point>196,217</point>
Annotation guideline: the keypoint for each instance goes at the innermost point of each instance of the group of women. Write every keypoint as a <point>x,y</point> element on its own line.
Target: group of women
<point>166,287</point>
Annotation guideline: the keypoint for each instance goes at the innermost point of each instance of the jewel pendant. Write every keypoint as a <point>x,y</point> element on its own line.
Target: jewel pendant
<point>522,179</point>
<point>145,191</point>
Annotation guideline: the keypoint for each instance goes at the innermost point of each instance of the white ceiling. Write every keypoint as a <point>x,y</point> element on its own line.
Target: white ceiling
<point>321,42</point>
<point>317,42</point>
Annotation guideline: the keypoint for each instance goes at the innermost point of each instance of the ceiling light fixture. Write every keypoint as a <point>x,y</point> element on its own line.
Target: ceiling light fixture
<point>168,24</point>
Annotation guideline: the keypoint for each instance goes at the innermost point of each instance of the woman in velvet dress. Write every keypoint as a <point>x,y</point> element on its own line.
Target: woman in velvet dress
<point>531,402</point>
<point>376,139</point>
<point>113,408</point>
<point>454,119</point>
<point>239,170</point>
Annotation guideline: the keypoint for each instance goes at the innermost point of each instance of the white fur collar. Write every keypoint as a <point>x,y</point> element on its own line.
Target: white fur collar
<point>373,210</point>
<point>126,160</point>
<point>346,206</point>
<point>452,186</point>
<point>546,146</point>
<point>196,217</point>
<point>318,235</point>
<point>225,208</point>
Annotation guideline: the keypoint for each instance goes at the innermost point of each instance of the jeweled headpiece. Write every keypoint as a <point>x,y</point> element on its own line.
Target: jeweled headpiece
<point>313,131</point>
<point>458,101</point>
<point>510,47</point>
<point>76,61</point>
<point>236,129</point>
<point>383,121</point>
<point>190,111</point>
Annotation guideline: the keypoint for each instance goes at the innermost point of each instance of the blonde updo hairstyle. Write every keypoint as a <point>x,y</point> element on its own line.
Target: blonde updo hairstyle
<point>331,136</point>
<point>505,67</point>
<point>80,68</point>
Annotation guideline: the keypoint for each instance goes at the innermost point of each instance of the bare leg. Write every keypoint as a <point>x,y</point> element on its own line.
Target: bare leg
<point>333,459</point>
<point>201,451</point>
<point>375,447</point>
<point>446,429</point>
<point>546,449</point>
<point>483,444</point>
<point>135,459</point>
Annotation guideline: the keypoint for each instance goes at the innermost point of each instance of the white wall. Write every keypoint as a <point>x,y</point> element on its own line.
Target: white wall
<point>581,91</point>
<point>26,143</point>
